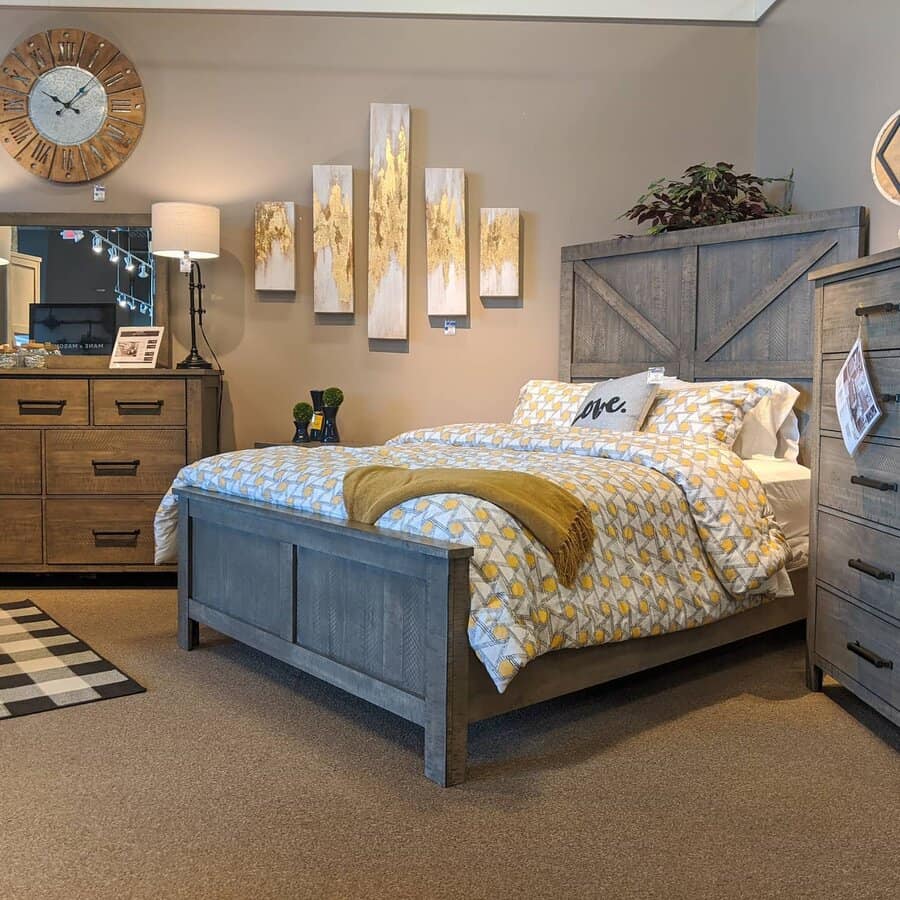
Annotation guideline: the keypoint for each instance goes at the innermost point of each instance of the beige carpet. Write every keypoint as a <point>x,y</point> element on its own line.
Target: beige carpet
<point>235,777</point>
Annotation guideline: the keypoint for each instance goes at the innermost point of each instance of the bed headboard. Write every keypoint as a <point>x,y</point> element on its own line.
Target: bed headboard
<point>731,301</point>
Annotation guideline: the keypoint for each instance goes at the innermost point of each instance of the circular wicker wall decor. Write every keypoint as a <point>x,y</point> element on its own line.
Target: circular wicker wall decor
<point>886,159</point>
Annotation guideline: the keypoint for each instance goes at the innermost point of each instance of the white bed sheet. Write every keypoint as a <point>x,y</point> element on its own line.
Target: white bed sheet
<point>787,485</point>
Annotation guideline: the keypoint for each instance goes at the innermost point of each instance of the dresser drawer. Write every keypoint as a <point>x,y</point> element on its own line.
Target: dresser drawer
<point>110,532</point>
<point>128,401</point>
<point>860,644</point>
<point>885,374</point>
<point>113,461</point>
<point>21,540</point>
<point>20,462</point>
<point>874,575</point>
<point>840,324</point>
<point>878,498</point>
<point>43,401</point>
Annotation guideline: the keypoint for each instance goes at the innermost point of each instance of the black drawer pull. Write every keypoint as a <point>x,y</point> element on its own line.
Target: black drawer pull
<point>862,481</point>
<point>41,407</point>
<point>116,538</point>
<point>870,570</point>
<point>878,661</point>
<point>889,398</point>
<point>115,466</point>
<point>877,308</point>
<point>139,407</point>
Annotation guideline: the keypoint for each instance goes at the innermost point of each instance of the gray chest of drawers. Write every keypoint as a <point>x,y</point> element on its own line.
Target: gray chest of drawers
<point>853,628</point>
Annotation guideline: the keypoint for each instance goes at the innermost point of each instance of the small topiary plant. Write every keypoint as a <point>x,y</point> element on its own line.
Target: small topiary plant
<point>332,397</point>
<point>303,413</point>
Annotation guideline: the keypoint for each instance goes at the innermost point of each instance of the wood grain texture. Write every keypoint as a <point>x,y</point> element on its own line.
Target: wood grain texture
<point>884,371</point>
<point>20,536</point>
<point>840,324</point>
<point>126,402</point>
<point>38,400</point>
<point>114,532</point>
<point>113,461</point>
<point>20,461</point>
<point>839,623</point>
<point>877,461</point>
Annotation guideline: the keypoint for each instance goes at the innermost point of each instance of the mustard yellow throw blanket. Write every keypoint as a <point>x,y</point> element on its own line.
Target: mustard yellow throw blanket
<point>556,518</point>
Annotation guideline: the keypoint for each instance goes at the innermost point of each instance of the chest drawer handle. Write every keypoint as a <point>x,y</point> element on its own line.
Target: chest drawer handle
<point>869,656</point>
<point>870,570</point>
<point>41,407</point>
<point>115,466</point>
<point>116,538</point>
<point>889,398</point>
<point>139,407</point>
<point>862,481</point>
<point>877,308</point>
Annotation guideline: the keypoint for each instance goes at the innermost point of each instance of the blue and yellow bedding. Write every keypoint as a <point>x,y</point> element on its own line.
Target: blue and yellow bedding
<point>685,534</point>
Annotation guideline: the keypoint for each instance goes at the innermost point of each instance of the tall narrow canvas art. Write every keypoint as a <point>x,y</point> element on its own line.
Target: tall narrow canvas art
<point>500,249</point>
<point>274,253</point>
<point>445,241</point>
<point>388,220</point>
<point>333,239</point>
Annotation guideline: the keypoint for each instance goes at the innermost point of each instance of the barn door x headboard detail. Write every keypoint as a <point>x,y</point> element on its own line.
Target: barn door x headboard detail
<point>724,302</point>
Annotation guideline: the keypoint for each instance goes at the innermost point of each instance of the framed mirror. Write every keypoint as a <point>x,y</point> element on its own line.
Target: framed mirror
<point>74,279</point>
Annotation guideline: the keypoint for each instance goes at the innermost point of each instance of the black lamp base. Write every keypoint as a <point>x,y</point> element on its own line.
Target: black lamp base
<point>194,361</point>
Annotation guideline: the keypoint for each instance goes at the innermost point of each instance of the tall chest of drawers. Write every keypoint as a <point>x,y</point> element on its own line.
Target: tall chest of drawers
<point>85,457</point>
<point>853,627</point>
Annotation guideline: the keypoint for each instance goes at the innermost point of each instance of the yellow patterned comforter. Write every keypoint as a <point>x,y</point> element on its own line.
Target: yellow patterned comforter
<point>685,534</point>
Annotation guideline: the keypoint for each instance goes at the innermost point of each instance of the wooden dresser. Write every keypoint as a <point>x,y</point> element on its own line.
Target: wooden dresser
<point>853,629</point>
<point>85,457</point>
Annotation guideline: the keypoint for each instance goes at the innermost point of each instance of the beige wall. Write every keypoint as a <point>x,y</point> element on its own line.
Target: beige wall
<point>567,121</point>
<point>829,73</point>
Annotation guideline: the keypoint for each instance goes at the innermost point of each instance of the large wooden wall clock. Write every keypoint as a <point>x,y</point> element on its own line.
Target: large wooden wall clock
<point>886,159</point>
<point>72,106</point>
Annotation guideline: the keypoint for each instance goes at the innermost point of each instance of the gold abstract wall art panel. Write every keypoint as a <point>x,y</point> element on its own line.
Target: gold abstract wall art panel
<point>333,239</point>
<point>388,284</point>
<point>500,252</point>
<point>275,241</point>
<point>445,242</point>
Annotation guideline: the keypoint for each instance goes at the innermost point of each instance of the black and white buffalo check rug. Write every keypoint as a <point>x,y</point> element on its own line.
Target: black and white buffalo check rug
<point>43,666</point>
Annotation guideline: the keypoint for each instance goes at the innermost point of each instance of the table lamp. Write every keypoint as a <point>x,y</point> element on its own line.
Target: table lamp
<point>5,244</point>
<point>187,232</point>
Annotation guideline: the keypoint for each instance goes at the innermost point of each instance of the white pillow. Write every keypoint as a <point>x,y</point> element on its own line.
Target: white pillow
<point>770,428</point>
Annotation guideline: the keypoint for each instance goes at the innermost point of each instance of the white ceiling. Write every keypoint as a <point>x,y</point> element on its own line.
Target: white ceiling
<point>650,10</point>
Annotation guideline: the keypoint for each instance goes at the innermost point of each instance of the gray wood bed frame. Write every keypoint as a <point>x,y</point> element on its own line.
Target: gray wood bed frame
<point>383,614</point>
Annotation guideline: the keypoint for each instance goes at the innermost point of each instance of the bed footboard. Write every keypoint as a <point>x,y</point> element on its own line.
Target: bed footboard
<point>379,614</point>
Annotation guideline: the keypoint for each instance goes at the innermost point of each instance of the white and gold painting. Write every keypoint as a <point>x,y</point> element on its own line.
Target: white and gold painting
<point>333,239</point>
<point>274,251</point>
<point>388,220</point>
<point>445,242</point>
<point>500,249</point>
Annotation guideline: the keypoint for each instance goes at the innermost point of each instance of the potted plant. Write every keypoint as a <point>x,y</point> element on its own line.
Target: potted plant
<point>303,413</point>
<point>332,398</point>
<point>708,195</point>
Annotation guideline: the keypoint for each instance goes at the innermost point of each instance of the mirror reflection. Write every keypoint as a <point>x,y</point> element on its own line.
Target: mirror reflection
<point>76,286</point>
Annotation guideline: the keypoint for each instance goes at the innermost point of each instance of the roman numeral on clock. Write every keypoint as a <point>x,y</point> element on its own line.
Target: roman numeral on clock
<point>41,151</point>
<point>67,160</point>
<point>21,131</point>
<point>66,52</point>
<point>14,105</point>
<point>16,75</point>
<point>120,106</point>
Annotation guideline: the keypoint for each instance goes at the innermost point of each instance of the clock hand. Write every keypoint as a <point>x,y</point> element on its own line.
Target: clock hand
<point>54,98</point>
<point>80,93</point>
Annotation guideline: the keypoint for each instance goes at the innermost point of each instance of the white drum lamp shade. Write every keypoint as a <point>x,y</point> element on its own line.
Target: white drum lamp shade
<point>182,230</point>
<point>5,244</point>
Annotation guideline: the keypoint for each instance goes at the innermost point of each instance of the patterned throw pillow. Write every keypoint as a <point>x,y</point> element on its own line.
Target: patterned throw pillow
<point>620,404</point>
<point>550,403</point>
<point>715,411</point>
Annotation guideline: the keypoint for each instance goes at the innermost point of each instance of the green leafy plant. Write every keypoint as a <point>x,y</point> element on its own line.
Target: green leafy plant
<point>332,397</point>
<point>708,195</point>
<point>303,413</point>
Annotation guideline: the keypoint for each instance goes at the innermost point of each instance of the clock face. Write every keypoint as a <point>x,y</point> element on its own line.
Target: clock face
<point>67,105</point>
<point>72,106</point>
